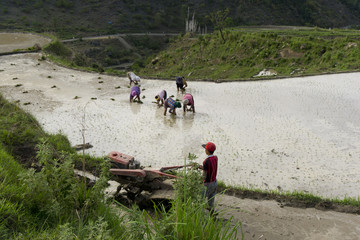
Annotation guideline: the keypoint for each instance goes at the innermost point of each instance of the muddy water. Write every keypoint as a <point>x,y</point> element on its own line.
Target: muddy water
<point>9,42</point>
<point>299,134</point>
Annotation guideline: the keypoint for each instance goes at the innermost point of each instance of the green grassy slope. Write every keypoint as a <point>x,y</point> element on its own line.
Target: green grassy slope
<point>246,52</point>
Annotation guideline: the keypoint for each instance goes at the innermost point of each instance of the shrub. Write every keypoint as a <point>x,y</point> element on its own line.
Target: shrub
<point>61,143</point>
<point>58,48</point>
<point>55,192</point>
<point>80,60</point>
<point>67,4</point>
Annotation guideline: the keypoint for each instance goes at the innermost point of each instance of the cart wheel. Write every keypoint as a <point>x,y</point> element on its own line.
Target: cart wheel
<point>139,179</point>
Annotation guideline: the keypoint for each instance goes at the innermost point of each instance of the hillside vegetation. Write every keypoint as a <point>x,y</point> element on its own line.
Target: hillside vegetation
<point>68,18</point>
<point>111,53</point>
<point>246,52</point>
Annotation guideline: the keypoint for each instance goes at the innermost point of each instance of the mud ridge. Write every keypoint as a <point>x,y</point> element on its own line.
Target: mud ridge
<point>292,201</point>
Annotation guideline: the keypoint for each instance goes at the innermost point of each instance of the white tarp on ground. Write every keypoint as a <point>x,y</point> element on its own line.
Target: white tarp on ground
<point>266,72</point>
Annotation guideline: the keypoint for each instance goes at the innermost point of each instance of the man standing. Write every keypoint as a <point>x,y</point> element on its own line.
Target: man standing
<point>209,168</point>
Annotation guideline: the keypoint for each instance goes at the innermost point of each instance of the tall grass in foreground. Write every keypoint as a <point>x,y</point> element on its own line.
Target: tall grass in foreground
<point>53,203</point>
<point>187,217</point>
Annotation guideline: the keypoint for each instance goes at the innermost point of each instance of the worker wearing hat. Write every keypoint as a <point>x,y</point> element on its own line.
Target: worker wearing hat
<point>133,78</point>
<point>161,97</point>
<point>209,168</point>
<point>172,105</point>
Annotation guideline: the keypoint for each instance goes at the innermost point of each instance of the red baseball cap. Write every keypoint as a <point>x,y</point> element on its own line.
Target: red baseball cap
<point>209,146</point>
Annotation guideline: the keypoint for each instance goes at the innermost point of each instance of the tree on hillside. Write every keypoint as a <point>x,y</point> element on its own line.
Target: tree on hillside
<point>220,20</point>
<point>192,25</point>
<point>202,42</point>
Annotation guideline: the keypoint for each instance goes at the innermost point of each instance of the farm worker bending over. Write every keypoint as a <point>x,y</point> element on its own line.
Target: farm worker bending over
<point>172,104</point>
<point>188,100</point>
<point>133,77</point>
<point>160,97</point>
<point>135,93</point>
<point>184,83</point>
<point>209,168</point>
<point>181,84</point>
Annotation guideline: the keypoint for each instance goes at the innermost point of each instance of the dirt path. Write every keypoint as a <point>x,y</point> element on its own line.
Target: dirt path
<point>50,92</point>
<point>120,35</point>
<point>268,220</point>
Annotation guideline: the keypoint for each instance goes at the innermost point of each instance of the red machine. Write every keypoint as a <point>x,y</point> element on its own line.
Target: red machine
<point>135,179</point>
<point>127,166</point>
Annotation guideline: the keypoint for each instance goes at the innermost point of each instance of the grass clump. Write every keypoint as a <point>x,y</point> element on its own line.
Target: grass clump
<point>187,217</point>
<point>295,198</point>
<point>58,48</point>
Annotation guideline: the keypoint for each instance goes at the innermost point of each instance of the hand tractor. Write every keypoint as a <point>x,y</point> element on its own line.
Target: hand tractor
<point>141,183</point>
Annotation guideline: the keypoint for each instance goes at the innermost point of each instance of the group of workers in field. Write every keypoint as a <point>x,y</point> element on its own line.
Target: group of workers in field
<point>162,98</point>
<point>210,164</point>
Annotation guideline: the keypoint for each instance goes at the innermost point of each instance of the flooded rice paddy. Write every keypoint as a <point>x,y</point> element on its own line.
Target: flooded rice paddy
<point>13,41</point>
<point>298,134</point>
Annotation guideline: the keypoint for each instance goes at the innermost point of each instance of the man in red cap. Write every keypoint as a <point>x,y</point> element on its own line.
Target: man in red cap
<point>209,168</point>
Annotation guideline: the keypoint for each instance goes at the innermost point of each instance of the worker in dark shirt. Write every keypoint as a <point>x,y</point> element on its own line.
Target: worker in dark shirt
<point>181,84</point>
<point>209,168</point>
